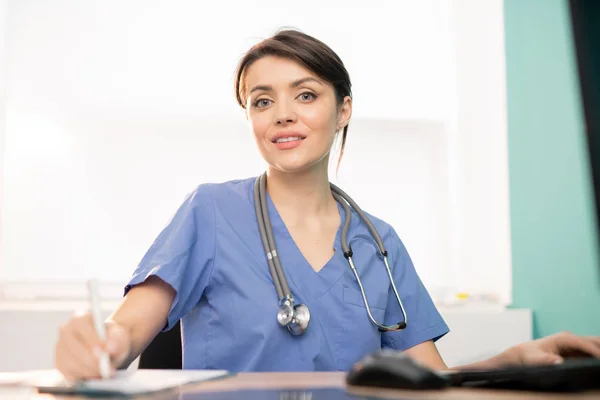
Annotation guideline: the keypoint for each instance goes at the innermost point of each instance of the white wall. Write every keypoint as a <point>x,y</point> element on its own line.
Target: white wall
<point>3,20</point>
<point>117,109</point>
<point>480,149</point>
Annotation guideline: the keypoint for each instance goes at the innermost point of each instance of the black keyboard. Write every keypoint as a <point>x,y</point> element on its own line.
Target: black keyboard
<point>571,375</point>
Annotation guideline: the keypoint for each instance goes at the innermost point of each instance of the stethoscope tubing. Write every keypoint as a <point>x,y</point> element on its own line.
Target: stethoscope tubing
<point>286,300</point>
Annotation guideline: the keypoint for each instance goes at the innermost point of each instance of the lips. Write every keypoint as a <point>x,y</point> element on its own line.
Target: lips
<point>287,136</point>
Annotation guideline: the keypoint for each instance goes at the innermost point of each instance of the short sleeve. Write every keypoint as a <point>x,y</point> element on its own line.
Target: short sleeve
<point>182,254</point>
<point>424,321</point>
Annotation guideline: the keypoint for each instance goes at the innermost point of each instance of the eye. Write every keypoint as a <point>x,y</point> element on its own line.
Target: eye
<point>261,103</point>
<point>307,96</point>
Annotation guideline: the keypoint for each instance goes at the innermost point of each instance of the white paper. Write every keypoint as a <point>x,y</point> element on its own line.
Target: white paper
<point>125,382</point>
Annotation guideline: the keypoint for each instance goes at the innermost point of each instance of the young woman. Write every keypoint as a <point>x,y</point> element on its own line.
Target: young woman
<point>211,268</point>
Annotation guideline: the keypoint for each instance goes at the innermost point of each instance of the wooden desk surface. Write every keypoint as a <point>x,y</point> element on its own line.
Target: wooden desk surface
<point>319,386</point>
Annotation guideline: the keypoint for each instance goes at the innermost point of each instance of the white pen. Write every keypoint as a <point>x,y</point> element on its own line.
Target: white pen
<point>94,298</point>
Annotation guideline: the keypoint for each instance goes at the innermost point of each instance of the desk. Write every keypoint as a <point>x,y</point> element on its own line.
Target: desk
<point>320,386</point>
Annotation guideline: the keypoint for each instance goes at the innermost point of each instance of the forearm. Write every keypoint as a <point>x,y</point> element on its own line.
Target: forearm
<point>142,314</point>
<point>427,354</point>
<point>132,346</point>
<point>501,360</point>
<point>136,347</point>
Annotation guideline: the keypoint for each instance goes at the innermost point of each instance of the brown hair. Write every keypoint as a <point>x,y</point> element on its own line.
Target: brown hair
<point>308,51</point>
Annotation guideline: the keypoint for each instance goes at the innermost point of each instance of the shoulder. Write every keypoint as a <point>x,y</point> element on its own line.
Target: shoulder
<point>206,201</point>
<point>219,191</point>
<point>386,231</point>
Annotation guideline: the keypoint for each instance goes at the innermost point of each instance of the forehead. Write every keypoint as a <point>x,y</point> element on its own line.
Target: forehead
<point>272,70</point>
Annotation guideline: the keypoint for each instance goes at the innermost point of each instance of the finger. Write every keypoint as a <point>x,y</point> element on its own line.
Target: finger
<point>67,369</point>
<point>72,370</point>
<point>80,359</point>
<point>579,343</point>
<point>87,357</point>
<point>593,339</point>
<point>69,366</point>
<point>64,354</point>
<point>542,358</point>
<point>84,326</point>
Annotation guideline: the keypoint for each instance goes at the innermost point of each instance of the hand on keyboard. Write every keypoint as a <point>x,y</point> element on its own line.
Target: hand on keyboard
<point>553,349</point>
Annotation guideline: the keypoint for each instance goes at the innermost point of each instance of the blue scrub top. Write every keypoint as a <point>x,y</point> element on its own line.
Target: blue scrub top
<point>212,255</point>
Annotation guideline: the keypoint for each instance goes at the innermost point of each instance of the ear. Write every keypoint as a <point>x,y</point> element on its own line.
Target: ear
<point>344,113</point>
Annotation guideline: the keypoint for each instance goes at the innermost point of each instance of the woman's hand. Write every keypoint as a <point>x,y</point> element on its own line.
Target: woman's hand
<point>552,349</point>
<point>78,348</point>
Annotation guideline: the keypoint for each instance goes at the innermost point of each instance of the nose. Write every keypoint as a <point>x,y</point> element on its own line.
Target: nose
<point>285,114</point>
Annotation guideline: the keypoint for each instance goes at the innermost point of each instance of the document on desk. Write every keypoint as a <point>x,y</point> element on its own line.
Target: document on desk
<point>128,383</point>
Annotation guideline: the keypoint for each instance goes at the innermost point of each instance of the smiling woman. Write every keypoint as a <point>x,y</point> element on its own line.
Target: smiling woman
<point>302,108</point>
<point>294,79</point>
<point>208,267</point>
<point>127,118</point>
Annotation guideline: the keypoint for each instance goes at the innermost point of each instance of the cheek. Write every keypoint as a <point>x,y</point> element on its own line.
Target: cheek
<point>260,125</point>
<point>319,119</point>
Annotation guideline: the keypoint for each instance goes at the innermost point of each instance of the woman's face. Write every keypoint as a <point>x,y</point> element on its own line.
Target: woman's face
<point>293,113</point>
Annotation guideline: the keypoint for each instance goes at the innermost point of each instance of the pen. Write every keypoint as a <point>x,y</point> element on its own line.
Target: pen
<point>94,299</point>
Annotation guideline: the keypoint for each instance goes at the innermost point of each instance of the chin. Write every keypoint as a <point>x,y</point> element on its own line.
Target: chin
<point>296,166</point>
<point>290,169</point>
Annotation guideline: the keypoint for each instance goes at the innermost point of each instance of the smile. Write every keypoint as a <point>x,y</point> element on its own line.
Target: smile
<point>288,139</point>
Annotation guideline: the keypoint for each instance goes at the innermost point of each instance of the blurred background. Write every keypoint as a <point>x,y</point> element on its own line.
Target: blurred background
<point>467,136</point>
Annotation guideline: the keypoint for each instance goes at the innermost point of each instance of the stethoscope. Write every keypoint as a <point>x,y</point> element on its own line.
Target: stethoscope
<point>297,316</point>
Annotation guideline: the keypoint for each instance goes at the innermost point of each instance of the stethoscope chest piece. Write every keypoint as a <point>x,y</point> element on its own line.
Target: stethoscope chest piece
<point>285,315</point>
<point>296,318</point>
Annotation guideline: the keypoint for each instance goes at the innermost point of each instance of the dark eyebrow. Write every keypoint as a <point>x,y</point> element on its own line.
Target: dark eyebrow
<point>261,87</point>
<point>303,80</point>
<point>294,84</point>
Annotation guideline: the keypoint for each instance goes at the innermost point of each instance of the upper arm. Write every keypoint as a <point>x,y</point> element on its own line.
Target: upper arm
<point>173,274</point>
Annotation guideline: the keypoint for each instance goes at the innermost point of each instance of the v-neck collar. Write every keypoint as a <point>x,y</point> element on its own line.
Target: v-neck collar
<point>296,267</point>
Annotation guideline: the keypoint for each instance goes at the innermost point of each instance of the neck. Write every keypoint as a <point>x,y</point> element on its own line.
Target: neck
<point>304,194</point>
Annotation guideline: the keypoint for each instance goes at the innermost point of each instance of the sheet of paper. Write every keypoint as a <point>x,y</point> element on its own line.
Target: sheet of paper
<point>125,382</point>
<point>24,378</point>
<point>11,378</point>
